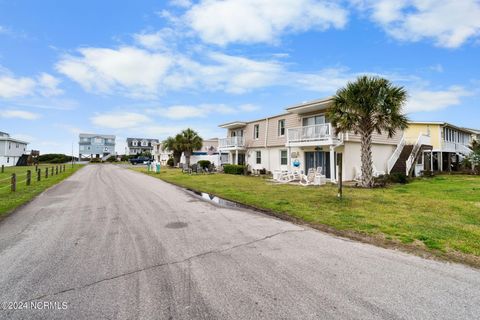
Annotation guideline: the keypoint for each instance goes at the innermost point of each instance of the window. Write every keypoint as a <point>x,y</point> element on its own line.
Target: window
<point>310,121</point>
<point>256,131</point>
<point>281,127</point>
<point>8,159</point>
<point>144,143</point>
<point>283,157</point>
<point>258,157</point>
<point>134,143</point>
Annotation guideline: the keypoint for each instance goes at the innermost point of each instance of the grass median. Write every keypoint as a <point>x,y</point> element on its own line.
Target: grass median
<point>439,215</point>
<point>10,200</point>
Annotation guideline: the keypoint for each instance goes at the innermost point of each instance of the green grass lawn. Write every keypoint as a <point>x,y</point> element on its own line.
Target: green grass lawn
<point>440,215</point>
<point>10,200</point>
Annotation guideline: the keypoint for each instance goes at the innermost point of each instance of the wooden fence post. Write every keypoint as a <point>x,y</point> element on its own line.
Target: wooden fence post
<point>39,174</point>
<point>14,182</point>
<point>46,172</point>
<point>3,168</point>
<point>36,167</point>
<point>52,172</point>
<point>56,170</point>
<point>29,177</point>
<point>63,168</point>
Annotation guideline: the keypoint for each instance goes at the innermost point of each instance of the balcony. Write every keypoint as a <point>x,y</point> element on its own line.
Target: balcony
<point>456,147</point>
<point>232,143</point>
<point>319,134</point>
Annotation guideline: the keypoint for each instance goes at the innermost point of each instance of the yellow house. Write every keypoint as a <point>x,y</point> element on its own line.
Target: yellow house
<point>450,144</point>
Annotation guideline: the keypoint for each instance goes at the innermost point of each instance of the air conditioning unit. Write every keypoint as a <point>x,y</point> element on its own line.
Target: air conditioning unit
<point>294,155</point>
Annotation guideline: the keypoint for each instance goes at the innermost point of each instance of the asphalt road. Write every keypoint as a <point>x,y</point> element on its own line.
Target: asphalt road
<point>109,243</point>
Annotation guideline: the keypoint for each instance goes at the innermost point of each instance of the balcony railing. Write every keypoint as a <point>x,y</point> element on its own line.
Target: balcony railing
<point>232,142</point>
<point>448,146</point>
<point>318,132</point>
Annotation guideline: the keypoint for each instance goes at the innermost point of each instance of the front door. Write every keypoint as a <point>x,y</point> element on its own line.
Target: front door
<point>318,159</point>
<point>241,158</point>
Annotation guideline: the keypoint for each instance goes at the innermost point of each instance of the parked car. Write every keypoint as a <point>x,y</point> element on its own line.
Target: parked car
<point>140,160</point>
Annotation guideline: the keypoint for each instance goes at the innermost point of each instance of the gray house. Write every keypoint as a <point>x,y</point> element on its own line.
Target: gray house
<point>96,145</point>
<point>140,145</point>
<point>11,149</point>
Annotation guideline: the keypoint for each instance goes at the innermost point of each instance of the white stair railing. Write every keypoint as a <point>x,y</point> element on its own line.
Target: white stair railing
<point>396,154</point>
<point>423,139</point>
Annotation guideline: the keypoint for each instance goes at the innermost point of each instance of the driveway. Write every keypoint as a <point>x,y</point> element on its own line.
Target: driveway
<point>110,243</point>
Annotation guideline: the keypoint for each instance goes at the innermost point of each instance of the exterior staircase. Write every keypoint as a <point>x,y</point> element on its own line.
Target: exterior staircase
<point>401,165</point>
<point>22,161</point>
<point>405,156</point>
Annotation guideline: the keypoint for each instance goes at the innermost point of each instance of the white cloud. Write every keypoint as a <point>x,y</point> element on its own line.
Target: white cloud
<point>178,112</point>
<point>163,39</point>
<point>18,114</point>
<point>119,120</point>
<point>256,21</point>
<point>12,87</point>
<point>135,71</point>
<point>450,23</point>
<point>48,85</point>
<point>427,100</point>
<point>180,3</point>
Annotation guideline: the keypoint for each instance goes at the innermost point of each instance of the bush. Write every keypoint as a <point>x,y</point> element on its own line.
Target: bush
<point>124,158</point>
<point>95,160</point>
<point>381,181</point>
<point>398,178</point>
<point>170,162</point>
<point>54,158</point>
<point>204,164</point>
<point>233,169</point>
<point>112,159</point>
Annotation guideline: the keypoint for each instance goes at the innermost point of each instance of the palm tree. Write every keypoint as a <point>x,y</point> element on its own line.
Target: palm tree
<point>189,141</point>
<point>173,144</point>
<point>368,105</point>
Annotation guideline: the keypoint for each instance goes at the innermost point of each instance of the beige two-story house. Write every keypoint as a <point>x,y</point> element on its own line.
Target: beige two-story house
<point>300,139</point>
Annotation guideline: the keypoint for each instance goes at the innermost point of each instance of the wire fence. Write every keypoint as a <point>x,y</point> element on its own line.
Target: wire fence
<point>23,180</point>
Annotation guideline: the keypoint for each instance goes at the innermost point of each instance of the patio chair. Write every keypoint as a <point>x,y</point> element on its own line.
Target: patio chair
<point>320,178</point>
<point>308,179</point>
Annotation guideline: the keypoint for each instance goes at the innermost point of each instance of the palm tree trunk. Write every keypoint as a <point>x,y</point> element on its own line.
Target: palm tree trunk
<point>366,158</point>
<point>187,158</point>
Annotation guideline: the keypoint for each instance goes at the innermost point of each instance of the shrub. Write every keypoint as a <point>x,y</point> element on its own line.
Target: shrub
<point>125,158</point>
<point>95,160</point>
<point>112,159</point>
<point>204,164</point>
<point>170,162</point>
<point>54,158</point>
<point>381,181</point>
<point>233,169</point>
<point>398,178</point>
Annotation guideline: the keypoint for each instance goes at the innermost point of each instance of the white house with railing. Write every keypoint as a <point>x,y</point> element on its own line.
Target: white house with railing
<point>300,139</point>
<point>450,144</point>
<point>11,149</point>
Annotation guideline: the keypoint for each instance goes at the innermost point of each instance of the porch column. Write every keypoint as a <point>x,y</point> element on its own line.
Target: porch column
<point>289,159</point>
<point>431,161</point>
<point>236,156</point>
<point>440,161</point>
<point>332,164</point>
<point>449,162</point>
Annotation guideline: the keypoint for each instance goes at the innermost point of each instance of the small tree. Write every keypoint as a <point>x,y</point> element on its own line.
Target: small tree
<point>368,105</point>
<point>173,144</point>
<point>189,142</point>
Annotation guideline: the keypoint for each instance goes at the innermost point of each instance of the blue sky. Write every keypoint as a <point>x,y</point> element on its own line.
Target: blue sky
<point>152,68</point>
